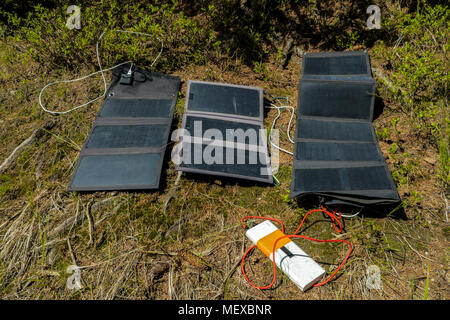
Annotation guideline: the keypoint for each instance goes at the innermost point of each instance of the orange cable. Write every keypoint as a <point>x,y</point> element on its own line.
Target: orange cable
<point>333,217</point>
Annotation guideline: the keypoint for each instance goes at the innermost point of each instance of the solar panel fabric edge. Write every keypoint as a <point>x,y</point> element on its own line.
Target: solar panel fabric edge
<point>130,152</point>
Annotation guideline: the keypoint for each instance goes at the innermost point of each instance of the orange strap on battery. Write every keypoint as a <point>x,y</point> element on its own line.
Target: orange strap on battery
<point>280,241</point>
<point>267,244</point>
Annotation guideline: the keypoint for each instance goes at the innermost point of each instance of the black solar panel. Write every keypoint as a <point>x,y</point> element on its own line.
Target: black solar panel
<point>342,179</point>
<point>338,151</point>
<point>245,163</point>
<point>127,136</point>
<point>136,108</point>
<point>198,126</point>
<point>325,129</point>
<point>225,99</point>
<point>336,154</point>
<point>230,119</point>
<point>117,171</point>
<point>126,147</point>
<point>339,99</point>
<point>336,63</point>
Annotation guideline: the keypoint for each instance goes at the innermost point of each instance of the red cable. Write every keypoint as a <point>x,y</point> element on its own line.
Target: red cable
<point>333,217</point>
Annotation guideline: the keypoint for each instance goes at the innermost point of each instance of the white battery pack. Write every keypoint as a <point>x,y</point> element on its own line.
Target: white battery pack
<point>292,260</point>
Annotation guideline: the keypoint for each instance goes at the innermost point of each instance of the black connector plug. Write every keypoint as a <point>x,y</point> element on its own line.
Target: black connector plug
<point>126,78</point>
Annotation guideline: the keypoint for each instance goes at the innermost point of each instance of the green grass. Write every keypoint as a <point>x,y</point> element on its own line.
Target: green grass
<point>427,285</point>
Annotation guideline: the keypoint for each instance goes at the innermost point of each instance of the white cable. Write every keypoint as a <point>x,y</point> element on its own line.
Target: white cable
<point>351,216</point>
<point>290,121</point>
<point>273,106</point>
<point>97,72</point>
<point>75,80</point>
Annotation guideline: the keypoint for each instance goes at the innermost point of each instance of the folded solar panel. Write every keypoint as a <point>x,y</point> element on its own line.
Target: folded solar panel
<point>125,149</point>
<point>336,154</point>
<point>223,132</point>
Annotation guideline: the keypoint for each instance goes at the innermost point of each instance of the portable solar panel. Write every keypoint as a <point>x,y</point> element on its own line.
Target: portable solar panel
<point>223,132</point>
<point>125,149</point>
<point>336,154</point>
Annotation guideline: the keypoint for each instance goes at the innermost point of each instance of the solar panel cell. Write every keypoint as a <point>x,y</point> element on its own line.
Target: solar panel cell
<point>243,163</point>
<point>337,151</point>
<point>115,172</point>
<point>336,63</point>
<point>321,129</point>
<point>340,99</point>
<point>137,136</point>
<point>136,108</point>
<point>341,179</point>
<point>226,99</point>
